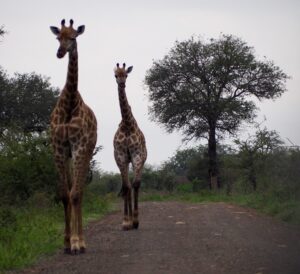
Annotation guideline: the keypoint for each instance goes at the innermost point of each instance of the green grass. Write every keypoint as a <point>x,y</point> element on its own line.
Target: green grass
<point>285,210</point>
<point>32,231</point>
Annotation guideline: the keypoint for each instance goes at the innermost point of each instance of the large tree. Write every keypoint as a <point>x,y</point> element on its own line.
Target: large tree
<point>205,89</point>
<point>2,30</point>
<point>26,102</point>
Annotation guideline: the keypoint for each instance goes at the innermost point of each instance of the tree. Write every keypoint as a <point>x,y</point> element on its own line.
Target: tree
<point>254,150</point>
<point>205,89</point>
<point>26,161</point>
<point>26,102</point>
<point>2,31</point>
<point>180,161</point>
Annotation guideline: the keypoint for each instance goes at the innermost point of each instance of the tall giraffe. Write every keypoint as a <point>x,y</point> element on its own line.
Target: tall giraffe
<point>129,146</point>
<point>73,138</point>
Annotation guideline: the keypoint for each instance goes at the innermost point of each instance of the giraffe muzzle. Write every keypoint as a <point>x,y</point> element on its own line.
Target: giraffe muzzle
<point>60,53</point>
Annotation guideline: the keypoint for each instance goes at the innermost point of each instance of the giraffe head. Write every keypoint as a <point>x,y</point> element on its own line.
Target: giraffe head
<point>121,73</point>
<point>66,37</point>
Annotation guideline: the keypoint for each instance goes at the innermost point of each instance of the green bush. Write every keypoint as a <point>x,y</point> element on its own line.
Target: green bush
<point>184,188</point>
<point>198,185</point>
<point>105,183</point>
<point>7,218</point>
<point>34,230</point>
<point>26,167</point>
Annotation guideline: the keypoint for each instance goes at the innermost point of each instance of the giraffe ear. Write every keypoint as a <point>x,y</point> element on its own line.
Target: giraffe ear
<point>54,30</point>
<point>80,30</point>
<point>129,69</point>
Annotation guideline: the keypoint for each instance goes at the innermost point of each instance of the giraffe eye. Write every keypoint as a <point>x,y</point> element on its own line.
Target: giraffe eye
<point>116,76</point>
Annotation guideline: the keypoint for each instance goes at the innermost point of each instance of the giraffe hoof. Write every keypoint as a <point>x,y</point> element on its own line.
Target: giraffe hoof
<point>135,225</point>
<point>126,226</point>
<point>75,252</point>
<point>82,249</point>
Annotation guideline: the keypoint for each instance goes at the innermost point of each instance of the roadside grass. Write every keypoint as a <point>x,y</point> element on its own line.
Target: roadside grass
<point>36,229</point>
<point>285,210</point>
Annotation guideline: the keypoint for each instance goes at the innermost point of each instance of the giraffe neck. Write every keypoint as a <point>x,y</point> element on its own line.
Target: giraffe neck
<point>71,96</point>
<point>72,76</point>
<point>126,113</point>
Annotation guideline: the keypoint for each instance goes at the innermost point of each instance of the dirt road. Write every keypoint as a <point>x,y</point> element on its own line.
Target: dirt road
<point>176,237</point>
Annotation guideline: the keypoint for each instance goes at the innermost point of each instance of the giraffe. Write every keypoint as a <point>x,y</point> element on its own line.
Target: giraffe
<point>73,128</point>
<point>129,146</point>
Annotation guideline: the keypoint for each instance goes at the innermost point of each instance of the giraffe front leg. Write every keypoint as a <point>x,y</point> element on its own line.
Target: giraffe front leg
<point>80,168</point>
<point>137,168</point>
<point>62,165</point>
<point>82,245</point>
<point>75,204</point>
<point>129,207</point>
<point>125,190</point>
<point>127,220</point>
<point>136,187</point>
<point>67,210</point>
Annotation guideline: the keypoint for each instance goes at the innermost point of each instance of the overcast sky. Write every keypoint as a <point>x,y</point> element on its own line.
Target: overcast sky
<point>138,32</point>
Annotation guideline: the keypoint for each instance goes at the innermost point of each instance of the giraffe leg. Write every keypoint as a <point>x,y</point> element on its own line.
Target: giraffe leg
<point>62,165</point>
<point>137,168</point>
<point>82,245</point>
<point>74,197</point>
<point>80,168</point>
<point>67,209</point>
<point>129,203</point>
<point>126,193</point>
<point>136,210</point>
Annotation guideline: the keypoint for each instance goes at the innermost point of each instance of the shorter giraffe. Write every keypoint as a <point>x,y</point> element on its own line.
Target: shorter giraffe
<point>129,147</point>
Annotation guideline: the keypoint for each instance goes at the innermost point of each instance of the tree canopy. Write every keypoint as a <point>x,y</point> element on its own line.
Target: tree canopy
<point>206,89</point>
<point>2,30</point>
<point>26,101</point>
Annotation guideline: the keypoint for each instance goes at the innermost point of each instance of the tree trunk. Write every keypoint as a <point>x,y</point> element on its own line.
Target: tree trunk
<point>213,171</point>
<point>252,173</point>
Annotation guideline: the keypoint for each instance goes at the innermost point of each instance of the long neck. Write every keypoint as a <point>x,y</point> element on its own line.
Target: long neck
<point>69,98</point>
<point>72,76</point>
<point>126,113</point>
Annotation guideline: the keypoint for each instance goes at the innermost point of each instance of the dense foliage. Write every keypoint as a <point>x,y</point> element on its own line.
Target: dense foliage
<point>205,89</point>
<point>26,167</point>
<point>259,164</point>
<point>26,101</point>
<point>2,31</point>
<point>26,164</point>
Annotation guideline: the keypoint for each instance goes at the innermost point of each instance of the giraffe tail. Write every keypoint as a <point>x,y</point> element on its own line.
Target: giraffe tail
<point>70,172</point>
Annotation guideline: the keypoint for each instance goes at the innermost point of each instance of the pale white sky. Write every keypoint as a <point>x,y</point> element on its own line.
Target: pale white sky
<point>138,32</point>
